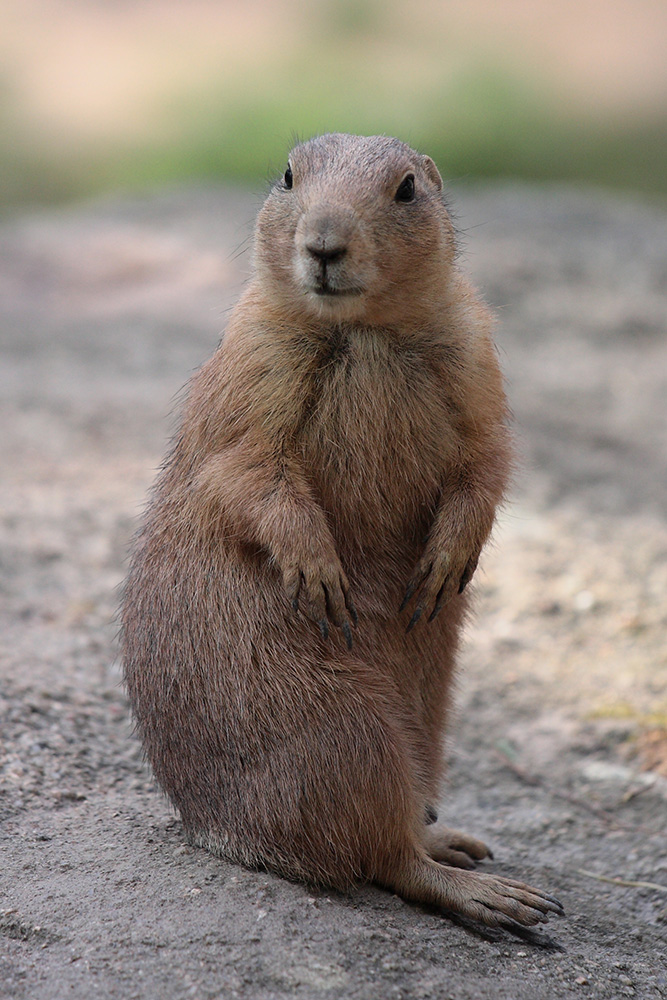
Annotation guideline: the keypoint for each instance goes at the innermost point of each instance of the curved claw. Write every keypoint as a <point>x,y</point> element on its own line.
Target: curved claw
<point>439,601</point>
<point>418,578</point>
<point>436,581</point>
<point>409,592</point>
<point>323,595</point>
<point>468,573</point>
<point>415,618</point>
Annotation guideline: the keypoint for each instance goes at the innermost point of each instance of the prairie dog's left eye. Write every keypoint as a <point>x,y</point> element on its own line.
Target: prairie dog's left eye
<point>288,178</point>
<point>406,189</point>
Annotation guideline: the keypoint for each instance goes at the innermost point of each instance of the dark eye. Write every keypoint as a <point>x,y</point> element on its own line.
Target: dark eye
<point>406,189</point>
<point>288,179</point>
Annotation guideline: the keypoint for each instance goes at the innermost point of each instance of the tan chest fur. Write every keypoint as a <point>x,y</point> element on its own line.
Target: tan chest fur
<point>377,433</point>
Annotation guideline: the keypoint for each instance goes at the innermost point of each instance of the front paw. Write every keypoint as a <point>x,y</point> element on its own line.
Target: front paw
<point>436,579</point>
<point>320,590</point>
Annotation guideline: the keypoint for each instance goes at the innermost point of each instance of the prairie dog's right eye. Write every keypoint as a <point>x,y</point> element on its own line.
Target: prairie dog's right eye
<point>288,178</point>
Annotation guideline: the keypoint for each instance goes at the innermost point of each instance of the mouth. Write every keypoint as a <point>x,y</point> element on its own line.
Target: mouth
<point>326,291</point>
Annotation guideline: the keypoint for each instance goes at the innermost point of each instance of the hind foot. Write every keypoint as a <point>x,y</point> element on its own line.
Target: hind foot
<point>500,902</point>
<point>452,847</point>
<point>489,899</point>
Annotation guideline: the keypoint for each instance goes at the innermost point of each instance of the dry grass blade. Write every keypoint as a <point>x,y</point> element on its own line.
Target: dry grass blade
<point>630,883</point>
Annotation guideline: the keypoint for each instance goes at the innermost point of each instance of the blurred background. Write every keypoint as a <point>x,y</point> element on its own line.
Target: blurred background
<point>100,95</point>
<point>559,753</point>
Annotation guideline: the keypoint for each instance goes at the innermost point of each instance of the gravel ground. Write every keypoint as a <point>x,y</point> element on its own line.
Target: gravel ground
<point>558,757</point>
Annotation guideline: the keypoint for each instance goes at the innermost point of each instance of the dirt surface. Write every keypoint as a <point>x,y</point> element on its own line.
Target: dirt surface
<point>563,694</point>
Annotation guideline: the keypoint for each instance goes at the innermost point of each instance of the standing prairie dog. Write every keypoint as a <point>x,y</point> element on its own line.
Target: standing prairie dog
<point>293,607</point>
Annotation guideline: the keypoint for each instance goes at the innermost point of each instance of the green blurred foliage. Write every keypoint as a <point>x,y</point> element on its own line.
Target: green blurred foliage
<point>483,124</point>
<point>482,119</point>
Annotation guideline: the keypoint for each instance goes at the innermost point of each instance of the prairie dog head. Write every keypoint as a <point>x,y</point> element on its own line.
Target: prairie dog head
<point>356,229</point>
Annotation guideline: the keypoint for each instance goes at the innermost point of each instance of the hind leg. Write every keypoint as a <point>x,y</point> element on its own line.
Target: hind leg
<point>443,844</point>
<point>387,834</point>
<point>333,794</point>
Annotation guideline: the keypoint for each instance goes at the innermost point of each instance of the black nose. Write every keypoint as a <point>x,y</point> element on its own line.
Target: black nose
<point>325,252</point>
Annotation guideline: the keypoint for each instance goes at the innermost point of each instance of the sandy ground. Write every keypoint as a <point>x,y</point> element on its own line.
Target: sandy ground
<point>558,757</point>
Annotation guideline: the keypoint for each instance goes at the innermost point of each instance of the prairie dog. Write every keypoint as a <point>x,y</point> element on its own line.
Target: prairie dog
<point>291,617</point>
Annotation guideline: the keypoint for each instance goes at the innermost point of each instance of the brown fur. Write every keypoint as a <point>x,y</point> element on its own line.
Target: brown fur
<point>348,438</point>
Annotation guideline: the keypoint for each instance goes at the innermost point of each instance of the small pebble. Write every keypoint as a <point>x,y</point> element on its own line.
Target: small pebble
<point>584,600</point>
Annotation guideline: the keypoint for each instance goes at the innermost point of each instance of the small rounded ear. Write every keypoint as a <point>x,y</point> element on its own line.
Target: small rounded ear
<point>432,171</point>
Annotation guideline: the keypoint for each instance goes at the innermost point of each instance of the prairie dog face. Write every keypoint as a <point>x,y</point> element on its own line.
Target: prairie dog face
<point>355,229</point>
